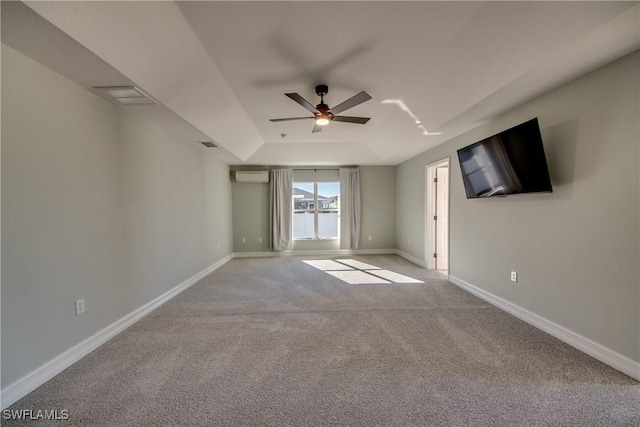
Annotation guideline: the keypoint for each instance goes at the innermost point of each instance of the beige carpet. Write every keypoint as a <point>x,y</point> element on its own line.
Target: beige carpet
<point>275,341</point>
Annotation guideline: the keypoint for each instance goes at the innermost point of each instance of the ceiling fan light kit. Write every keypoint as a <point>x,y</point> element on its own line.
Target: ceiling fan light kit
<point>322,120</point>
<point>322,114</point>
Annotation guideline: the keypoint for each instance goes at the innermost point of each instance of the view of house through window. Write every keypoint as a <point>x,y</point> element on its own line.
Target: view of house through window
<point>316,210</point>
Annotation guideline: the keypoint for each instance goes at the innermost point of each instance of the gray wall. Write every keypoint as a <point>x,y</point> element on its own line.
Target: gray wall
<point>95,205</point>
<point>378,193</point>
<point>576,250</point>
<point>377,186</point>
<point>250,216</point>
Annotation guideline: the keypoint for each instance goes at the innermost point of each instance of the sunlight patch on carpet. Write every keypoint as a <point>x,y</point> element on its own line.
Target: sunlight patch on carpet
<point>356,277</point>
<point>395,277</point>
<point>327,264</point>
<point>359,273</point>
<point>358,264</point>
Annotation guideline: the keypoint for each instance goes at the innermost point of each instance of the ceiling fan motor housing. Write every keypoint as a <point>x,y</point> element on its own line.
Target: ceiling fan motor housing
<point>323,112</point>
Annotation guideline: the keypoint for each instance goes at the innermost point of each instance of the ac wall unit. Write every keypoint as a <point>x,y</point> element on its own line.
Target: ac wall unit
<point>252,176</point>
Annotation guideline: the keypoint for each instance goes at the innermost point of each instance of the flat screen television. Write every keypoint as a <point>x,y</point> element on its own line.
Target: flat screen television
<point>510,162</point>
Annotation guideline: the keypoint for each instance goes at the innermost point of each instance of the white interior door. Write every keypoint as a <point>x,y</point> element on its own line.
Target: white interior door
<point>442,218</point>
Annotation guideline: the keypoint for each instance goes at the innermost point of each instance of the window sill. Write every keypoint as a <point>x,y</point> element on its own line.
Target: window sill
<point>311,239</point>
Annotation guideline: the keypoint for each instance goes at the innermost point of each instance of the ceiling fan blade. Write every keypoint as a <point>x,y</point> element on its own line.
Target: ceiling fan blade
<point>290,118</point>
<point>349,119</point>
<point>351,102</point>
<point>316,128</point>
<point>300,100</point>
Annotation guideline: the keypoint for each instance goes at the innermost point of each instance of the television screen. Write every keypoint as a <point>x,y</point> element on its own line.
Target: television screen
<point>510,162</point>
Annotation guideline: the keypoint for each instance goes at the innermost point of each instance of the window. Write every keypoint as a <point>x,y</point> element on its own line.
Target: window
<point>316,210</point>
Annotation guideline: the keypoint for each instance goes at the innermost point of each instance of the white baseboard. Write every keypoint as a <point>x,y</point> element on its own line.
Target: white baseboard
<point>411,258</point>
<point>25,385</point>
<point>593,349</point>
<point>326,252</point>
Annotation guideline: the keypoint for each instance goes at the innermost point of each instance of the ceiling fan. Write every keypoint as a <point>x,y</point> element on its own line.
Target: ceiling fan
<point>322,114</point>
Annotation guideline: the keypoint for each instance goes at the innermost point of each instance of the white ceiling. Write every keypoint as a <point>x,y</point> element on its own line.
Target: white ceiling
<point>220,69</point>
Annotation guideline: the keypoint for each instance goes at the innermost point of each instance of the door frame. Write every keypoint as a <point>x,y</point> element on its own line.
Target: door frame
<point>430,208</point>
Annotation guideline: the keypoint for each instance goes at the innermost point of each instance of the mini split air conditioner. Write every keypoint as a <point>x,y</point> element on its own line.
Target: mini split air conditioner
<point>252,176</point>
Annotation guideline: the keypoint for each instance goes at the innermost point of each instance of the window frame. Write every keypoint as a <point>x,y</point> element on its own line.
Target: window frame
<point>316,211</point>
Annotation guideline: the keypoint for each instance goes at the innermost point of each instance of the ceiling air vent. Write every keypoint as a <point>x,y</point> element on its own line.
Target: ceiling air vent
<point>124,95</point>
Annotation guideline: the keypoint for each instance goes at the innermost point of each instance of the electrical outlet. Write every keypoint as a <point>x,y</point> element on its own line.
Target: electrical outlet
<point>370,237</point>
<point>409,241</point>
<point>514,276</point>
<point>79,307</point>
<point>259,239</point>
<point>244,240</point>
<point>218,246</point>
